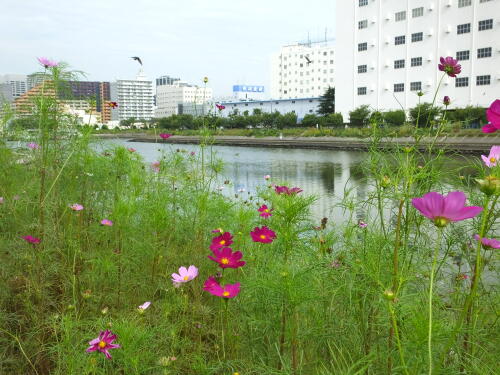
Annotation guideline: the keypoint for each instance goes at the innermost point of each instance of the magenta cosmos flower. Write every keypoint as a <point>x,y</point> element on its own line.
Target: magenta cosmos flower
<point>227,291</point>
<point>286,190</point>
<point>33,146</point>
<point>493,116</point>
<point>224,240</point>
<point>267,177</point>
<point>46,63</point>
<point>362,224</point>
<point>450,66</point>
<point>103,343</point>
<point>488,243</point>
<point>227,258</point>
<point>442,210</point>
<point>264,235</point>
<point>76,207</point>
<point>131,149</point>
<point>218,230</point>
<point>32,240</point>
<point>184,275</point>
<point>446,100</point>
<point>106,223</point>
<point>493,158</point>
<point>265,211</point>
<point>165,135</point>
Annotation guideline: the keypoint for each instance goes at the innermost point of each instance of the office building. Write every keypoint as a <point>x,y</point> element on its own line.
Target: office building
<point>190,98</point>
<point>134,98</point>
<point>17,83</point>
<point>387,51</point>
<point>302,70</point>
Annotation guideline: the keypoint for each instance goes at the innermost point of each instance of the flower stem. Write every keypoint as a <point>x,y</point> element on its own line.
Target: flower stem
<point>431,286</point>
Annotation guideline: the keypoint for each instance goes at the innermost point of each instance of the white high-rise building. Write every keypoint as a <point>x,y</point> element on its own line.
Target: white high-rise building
<point>17,82</point>
<point>388,50</point>
<point>134,98</point>
<point>170,97</point>
<point>302,71</point>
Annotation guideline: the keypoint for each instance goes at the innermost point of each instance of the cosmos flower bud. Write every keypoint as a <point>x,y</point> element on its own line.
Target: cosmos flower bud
<point>389,295</point>
<point>490,185</point>
<point>385,182</point>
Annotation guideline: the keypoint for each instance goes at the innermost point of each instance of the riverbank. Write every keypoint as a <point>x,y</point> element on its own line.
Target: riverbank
<point>451,144</point>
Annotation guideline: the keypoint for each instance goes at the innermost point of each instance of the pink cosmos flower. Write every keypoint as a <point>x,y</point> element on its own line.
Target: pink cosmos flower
<point>224,240</point>
<point>47,63</point>
<point>103,343</point>
<point>493,116</point>
<point>184,275</point>
<point>155,166</point>
<point>131,149</point>
<point>267,177</point>
<point>218,230</point>
<point>227,259</point>
<point>450,66</point>
<point>2,200</point>
<point>488,243</point>
<point>192,153</point>
<point>227,291</point>
<point>362,224</point>
<point>76,207</point>
<point>106,222</point>
<point>264,235</point>
<point>442,210</point>
<point>165,135</point>
<point>220,107</point>
<point>493,158</point>
<point>265,211</point>
<point>144,306</point>
<point>286,190</point>
<point>33,146</point>
<point>446,100</point>
<point>32,240</point>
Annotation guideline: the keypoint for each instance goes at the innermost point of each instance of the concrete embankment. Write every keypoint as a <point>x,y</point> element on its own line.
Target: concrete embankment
<point>452,144</point>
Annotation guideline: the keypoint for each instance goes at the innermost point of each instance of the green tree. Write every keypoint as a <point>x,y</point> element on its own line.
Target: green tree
<point>359,116</point>
<point>395,118</point>
<point>327,102</point>
<point>310,120</point>
<point>334,120</point>
<point>424,114</point>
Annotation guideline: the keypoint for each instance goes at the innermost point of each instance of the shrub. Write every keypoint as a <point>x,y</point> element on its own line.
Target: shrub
<point>395,118</point>
<point>310,120</point>
<point>359,116</point>
<point>424,114</point>
<point>334,120</point>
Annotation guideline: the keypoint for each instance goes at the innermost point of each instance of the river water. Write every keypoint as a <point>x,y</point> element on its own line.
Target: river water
<point>326,174</point>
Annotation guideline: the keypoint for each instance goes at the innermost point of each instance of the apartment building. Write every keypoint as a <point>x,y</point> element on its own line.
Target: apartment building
<point>388,50</point>
<point>17,83</point>
<point>302,70</point>
<point>174,98</point>
<point>134,98</point>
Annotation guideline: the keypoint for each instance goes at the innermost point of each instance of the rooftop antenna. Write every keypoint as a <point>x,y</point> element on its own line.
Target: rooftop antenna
<point>326,30</point>
<point>308,40</point>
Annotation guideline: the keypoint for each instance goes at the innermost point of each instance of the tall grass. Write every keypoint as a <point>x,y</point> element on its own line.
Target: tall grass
<point>329,298</point>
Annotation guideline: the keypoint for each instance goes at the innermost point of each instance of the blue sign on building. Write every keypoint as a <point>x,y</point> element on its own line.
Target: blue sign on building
<point>248,88</point>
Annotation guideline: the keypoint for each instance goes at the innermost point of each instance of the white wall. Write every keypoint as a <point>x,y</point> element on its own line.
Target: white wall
<point>439,27</point>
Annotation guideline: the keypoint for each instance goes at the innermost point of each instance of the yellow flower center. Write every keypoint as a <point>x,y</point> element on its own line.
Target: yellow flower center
<point>225,294</point>
<point>262,237</point>
<point>441,221</point>
<point>266,210</point>
<point>492,159</point>
<point>222,242</point>
<point>186,278</point>
<point>102,344</point>
<point>224,261</point>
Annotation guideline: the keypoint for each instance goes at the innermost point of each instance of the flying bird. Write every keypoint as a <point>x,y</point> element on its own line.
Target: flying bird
<point>136,58</point>
<point>307,60</point>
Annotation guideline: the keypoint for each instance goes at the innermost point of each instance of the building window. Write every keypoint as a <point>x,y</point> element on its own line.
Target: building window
<point>399,87</point>
<point>462,82</point>
<point>362,46</point>
<point>415,86</point>
<point>483,52</point>
<point>363,3</point>
<point>363,24</point>
<point>400,16</point>
<point>361,90</point>
<point>399,64</point>
<point>417,12</point>
<point>484,1</point>
<point>486,24</point>
<point>463,55</point>
<point>362,68</point>
<point>483,80</point>
<point>417,37</point>
<point>464,3</point>
<point>416,61</point>
<point>399,40</point>
<point>463,28</point>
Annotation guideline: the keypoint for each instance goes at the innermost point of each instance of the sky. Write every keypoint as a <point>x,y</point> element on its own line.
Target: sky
<point>229,41</point>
